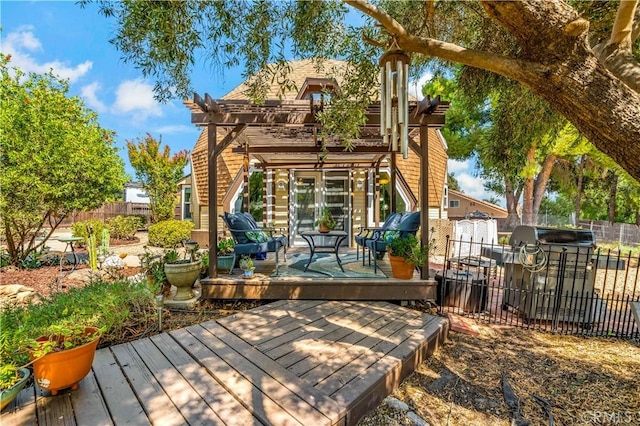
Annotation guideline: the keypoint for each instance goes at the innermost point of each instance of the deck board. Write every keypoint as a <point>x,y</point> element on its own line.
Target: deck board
<point>116,391</point>
<point>217,397</point>
<point>290,362</point>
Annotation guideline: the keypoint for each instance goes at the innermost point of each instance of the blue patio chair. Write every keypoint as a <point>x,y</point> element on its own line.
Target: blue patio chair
<point>408,224</point>
<point>365,234</point>
<point>249,238</point>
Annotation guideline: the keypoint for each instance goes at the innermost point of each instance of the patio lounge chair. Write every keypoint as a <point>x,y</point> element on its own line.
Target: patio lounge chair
<point>249,238</point>
<point>408,224</point>
<point>365,234</point>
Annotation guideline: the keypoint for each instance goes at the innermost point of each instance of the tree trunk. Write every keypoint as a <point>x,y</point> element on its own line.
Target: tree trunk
<point>512,196</point>
<point>557,63</point>
<point>575,83</point>
<point>579,187</point>
<point>540,185</point>
<point>613,178</point>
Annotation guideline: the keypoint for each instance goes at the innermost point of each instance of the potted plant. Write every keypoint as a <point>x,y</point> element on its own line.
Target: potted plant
<point>325,222</point>
<point>246,264</point>
<point>12,381</point>
<point>226,255</point>
<point>183,273</point>
<point>62,356</point>
<point>405,253</point>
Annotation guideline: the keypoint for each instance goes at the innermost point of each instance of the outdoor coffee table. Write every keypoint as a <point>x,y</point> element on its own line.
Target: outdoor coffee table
<point>336,236</point>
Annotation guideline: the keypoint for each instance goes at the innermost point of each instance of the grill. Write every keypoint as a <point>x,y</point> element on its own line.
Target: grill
<point>550,275</point>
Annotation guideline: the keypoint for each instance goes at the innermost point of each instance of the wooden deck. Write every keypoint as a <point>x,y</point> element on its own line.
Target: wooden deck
<point>264,286</point>
<point>289,362</point>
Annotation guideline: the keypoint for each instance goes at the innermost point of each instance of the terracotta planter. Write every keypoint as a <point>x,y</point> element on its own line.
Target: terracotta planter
<point>8,395</point>
<point>183,276</point>
<point>60,370</point>
<point>324,229</point>
<point>400,268</point>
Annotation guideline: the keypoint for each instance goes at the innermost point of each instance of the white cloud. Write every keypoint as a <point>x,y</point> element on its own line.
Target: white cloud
<point>89,94</point>
<point>415,86</point>
<point>455,166</point>
<point>469,184</point>
<point>176,129</point>
<point>19,43</point>
<point>136,97</point>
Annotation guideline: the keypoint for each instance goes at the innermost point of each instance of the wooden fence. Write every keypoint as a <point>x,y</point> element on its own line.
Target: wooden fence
<point>110,210</point>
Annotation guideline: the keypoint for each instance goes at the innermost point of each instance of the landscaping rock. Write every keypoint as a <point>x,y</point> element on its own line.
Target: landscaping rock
<point>17,294</point>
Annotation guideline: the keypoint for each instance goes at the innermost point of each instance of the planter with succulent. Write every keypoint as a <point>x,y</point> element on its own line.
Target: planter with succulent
<point>183,273</point>
<point>62,356</point>
<point>405,253</point>
<point>325,222</point>
<point>226,255</point>
<point>246,264</point>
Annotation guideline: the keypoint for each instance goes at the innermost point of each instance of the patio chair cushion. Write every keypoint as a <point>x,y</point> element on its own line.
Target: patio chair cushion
<point>238,224</point>
<point>409,223</point>
<point>391,222</point>
<point>257,236</point>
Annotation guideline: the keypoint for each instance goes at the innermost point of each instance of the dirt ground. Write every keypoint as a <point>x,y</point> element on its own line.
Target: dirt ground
<point>578,381</point>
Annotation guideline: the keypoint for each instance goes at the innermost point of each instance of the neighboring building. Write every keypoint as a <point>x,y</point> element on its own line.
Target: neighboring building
<point>463,206</point>
<point>133,193</point>
<point>299,182</point>
<point>183,209</point>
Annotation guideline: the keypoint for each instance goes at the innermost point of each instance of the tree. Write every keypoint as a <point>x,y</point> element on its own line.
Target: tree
<point>585,69</point>
<point>159,173</point>
<point>55,158</point>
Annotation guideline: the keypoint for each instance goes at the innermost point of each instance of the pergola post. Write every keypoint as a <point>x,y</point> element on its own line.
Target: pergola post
<point>392,184</point>
<point>213,200</point>
<point>424,193</point>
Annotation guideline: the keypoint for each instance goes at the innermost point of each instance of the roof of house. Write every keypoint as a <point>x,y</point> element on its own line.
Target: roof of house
<point>480,205</point>
<point>272,144</point>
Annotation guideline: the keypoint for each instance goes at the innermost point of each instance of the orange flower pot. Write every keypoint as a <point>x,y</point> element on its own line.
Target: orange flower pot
<point>60,370</point>
<point>400,268</point>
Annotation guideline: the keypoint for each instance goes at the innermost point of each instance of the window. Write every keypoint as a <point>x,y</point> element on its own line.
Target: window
<point>454,204</point>
<point>186,203</point>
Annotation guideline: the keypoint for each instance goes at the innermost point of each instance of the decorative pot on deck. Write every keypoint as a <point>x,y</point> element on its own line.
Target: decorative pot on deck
<point>400,268</point>
<point>8,395</point>
<point>60,370</point>
<point>183,276</point>
<point>226,263</point>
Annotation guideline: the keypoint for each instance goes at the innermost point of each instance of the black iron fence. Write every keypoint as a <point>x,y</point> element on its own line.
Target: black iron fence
<point>557,288</point>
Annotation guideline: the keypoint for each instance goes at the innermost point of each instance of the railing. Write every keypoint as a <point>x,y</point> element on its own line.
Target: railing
<point>561,289</point>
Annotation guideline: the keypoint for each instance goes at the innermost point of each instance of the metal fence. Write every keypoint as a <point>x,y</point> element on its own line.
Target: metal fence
<point>570,290</point>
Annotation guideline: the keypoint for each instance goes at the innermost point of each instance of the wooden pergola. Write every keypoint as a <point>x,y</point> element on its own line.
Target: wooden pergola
<point>286,134</point>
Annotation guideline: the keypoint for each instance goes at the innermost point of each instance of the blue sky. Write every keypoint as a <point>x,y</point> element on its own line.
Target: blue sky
<point>74,42</point>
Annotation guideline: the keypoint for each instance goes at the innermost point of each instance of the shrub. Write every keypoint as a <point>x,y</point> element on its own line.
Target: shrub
<point>170,233</point>
<point>81,229</point>
<point>124,227</point>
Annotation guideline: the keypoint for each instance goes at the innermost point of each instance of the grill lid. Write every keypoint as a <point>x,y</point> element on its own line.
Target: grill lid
<point>525,234</point>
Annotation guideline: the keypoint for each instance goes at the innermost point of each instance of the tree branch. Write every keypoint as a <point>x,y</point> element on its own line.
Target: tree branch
<point>635,32</point>
<point>511,68</point>
<point>389,24</point>
<point>623,25</point>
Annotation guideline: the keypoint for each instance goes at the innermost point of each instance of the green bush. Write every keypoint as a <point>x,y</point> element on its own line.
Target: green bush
<point>124,227</point>
<point>170,233</point>
<point>81,229</point>
<point>108,306</point>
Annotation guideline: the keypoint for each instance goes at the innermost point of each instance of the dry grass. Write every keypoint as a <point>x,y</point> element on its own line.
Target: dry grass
<point>590,381</point>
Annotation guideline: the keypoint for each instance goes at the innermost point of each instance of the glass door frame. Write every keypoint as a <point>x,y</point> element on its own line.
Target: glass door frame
<point>320,201</point>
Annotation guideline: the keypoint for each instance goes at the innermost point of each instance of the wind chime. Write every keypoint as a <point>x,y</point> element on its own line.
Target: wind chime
<point>394,102</point>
